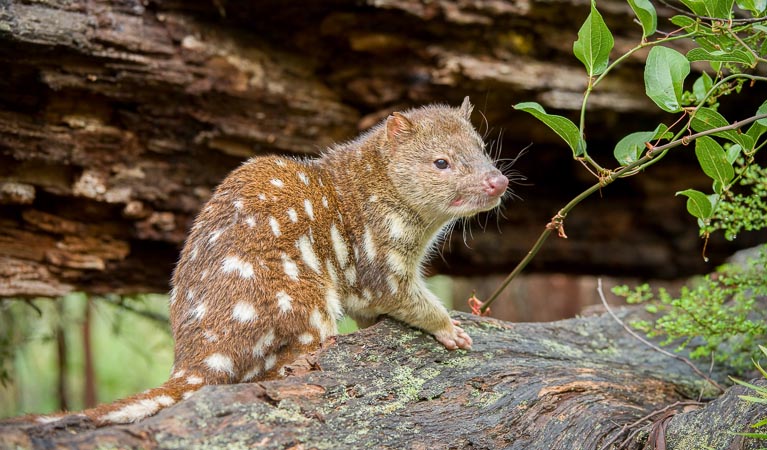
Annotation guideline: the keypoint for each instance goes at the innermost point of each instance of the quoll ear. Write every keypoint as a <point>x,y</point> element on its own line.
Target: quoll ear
<point>398,125</point>
<point>466,108</point>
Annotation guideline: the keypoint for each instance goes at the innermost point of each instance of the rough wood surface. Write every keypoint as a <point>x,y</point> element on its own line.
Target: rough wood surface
<point>566,385</point>
<point>118,117</point>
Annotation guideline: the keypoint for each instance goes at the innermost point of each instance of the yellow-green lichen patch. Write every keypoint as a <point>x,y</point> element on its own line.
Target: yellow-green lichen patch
<point>558,349</point>
<point>483,399</point>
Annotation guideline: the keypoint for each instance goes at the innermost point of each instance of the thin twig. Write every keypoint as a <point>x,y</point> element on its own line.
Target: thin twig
<point>650,344</point>
<point>628,426</point>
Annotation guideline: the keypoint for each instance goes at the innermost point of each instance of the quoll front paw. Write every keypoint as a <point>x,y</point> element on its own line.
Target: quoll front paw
<point>454,337</point>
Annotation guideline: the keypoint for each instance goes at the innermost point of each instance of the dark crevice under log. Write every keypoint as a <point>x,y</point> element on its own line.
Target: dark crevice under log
<point>566,385</point>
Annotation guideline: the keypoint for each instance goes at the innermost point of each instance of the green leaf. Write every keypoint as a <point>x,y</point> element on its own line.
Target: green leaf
<point>697,203</point>
<point>665,71</point>
<point>736,55</point>
<point>631,147</point>
<point>759,389</point>
<point>755,6</point>
<point>762,110</point>
<point>683,22</point>
<point>563,126</point>
<point>761,423</point>
<point>753,399</point>
<point>713,160</point>
<point>721,9</point>
<point>698,7</point>
<point>662,132</point>
<point>702,85</point>
<point>733,152</point>
<point>647,15</point>
<point>706,119</point>
<point>594,43</point>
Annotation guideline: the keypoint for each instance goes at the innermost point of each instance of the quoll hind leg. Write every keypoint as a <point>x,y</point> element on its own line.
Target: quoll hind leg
<point>289,359</point>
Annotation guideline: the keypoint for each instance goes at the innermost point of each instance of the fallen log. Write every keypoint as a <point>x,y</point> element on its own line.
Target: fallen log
<point>575,384</point>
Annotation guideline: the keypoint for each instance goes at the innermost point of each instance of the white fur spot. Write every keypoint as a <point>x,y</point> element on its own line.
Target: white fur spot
<point>220,363</point>
<point>262,197</point>
<point>339,246</point>
<point>306,338</point>
<point>48,419</point>
<point>164,400</point>
<point>275,226</point>
<point>263,343</point>
<point>270,361</point>
<point>396,263</point>
<point>284,301</point>
<point>370,246</point>
<point>279,162</point>
<point>373,198</point>
<point>331,271</point>
<point>190,295</point>
<point>179,374</point>
<point>309,209</point>
<point>367,295</point>
<point>325,202</point>
<point>290,267</point>
<point>238,205</point>
<point>244,312</point>
<point>210,336</point>
<point>307,253</point>
<point>396,226</point>
<point>252,373</point>
<point>215,235</point>
<point>303,177</point>
<point>333,303</point>
<point>251,221</point>
<point>235,264</point>
<point>193,253</point>
<point>393,284</point>
<point>194,379</point>
<point>188,394</point>
<point>293,215</point>
<point>277,182</point>
<point>173,295</point>
<point>351,275</point>
<point>199,311</point>
<point>355,303</point>
<point>317,321</point>
<point>137,410</point>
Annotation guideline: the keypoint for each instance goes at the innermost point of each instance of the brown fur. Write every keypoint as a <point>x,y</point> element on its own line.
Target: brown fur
<point>285,245</point>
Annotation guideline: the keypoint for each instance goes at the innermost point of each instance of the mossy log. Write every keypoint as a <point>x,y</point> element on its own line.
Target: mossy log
<point>575,384</point>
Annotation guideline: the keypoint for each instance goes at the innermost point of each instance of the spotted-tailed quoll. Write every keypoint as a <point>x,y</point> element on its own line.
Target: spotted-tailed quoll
<point>286,246</point>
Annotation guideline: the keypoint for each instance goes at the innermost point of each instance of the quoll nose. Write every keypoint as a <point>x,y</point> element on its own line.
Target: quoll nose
<point>495,184</point>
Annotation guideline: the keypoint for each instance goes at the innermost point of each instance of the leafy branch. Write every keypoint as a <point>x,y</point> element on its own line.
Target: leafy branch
<point>557,222</point>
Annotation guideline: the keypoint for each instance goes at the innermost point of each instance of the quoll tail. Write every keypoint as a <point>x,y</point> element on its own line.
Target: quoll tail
<point>139,406</point>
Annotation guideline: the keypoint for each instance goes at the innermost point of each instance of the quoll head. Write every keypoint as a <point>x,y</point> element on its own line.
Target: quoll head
<point>437,163</point>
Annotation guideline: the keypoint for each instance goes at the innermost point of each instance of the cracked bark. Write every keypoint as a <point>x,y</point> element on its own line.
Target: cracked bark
<point>569,385</point>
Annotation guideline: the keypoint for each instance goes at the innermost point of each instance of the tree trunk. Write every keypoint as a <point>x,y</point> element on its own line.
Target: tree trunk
<point>118,118</point>
<point>574,384</point>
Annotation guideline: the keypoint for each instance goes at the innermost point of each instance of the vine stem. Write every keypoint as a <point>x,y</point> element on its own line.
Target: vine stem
<point>557,222</point>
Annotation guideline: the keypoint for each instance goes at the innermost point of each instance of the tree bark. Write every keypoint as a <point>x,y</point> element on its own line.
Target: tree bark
<point>573,384</point>
<point>118,118</point>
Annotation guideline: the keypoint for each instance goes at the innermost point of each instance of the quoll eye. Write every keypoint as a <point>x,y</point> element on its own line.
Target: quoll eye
<point>441,164</point>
